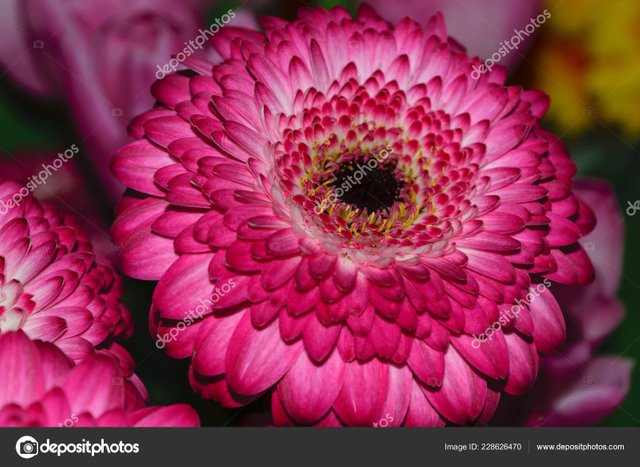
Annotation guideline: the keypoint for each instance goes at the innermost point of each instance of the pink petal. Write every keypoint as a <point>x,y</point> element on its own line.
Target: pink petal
<point>309,389</point>
<point>462,394</point>
<point>420,412</point>
<point>363,393</point>
<point>93,386</point>
<point>257,359</point>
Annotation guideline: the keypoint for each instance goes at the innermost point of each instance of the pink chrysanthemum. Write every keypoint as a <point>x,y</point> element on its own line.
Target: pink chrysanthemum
<point>51,286</point>
<point>357,305</point>
<point>42,387</point>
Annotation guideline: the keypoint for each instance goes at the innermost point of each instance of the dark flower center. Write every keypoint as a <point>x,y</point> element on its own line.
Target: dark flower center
<point>366,185</point>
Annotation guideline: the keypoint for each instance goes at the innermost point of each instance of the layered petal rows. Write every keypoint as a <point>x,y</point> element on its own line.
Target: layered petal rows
<point>337,213</point>
<point>576,385</point>
<point>42,387</point>
<point>52,287</point>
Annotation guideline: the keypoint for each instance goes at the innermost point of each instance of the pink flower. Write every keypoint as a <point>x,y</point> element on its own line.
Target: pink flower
<point>482,25</point>
<point>68,188</point>
<point>41,387</point>
<point>22,67</point>
<point>51,285</point>
<point>349,298</point>
<point>577,387</point>
<point>101,55</point>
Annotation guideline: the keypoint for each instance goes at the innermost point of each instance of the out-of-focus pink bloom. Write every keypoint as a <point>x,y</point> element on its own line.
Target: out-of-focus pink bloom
<point>481,25</point>
<point>69,188</point>
<point>51,285</point>
<point>18,51</point>
<point>41,387</point>
<point>595,308</point>
<point>101,55</point>
<point>350,301</point>
<point>577,387</point>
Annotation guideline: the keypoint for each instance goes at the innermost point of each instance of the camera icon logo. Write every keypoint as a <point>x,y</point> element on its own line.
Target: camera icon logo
<point>27,447</point>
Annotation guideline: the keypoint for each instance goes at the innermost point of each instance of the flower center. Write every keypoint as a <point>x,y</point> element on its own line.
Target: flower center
<point>367,186</point>
<point>377,168</point>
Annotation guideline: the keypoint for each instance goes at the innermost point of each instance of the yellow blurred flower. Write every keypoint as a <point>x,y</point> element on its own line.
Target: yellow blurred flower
<point>588,61</point>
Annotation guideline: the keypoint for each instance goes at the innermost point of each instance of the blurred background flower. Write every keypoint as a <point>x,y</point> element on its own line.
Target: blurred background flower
<point>587,60</point>
<point>100,55</point>
<point>577,386</point>
<point>479,25</point>
<point>70,188</point>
